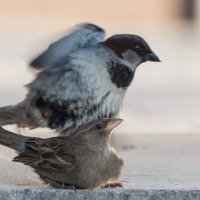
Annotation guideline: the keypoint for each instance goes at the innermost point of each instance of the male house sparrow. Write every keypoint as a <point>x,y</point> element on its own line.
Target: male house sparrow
<point>81,160</point>
<point>87,83</point>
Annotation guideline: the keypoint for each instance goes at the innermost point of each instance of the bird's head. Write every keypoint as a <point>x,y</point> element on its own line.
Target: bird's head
<point>96,133</point>
<point>131,48</point>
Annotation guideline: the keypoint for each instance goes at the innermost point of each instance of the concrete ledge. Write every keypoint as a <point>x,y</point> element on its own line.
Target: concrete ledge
<point>105,194</point>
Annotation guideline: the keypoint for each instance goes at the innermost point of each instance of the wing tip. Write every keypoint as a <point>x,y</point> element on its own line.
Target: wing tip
<point>92,27</point>
<point>38,62</point>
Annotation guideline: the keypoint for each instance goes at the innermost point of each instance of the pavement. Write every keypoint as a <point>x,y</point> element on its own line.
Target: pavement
<point>156,167</point>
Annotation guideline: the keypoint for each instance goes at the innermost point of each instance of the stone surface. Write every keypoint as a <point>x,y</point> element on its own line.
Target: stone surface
<point>105,194</point>
<point>163,162</point>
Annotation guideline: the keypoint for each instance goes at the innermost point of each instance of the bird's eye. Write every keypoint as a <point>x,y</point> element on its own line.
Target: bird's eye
<point>141,50</point>
<point>137,46</point>
<point>99,126</point>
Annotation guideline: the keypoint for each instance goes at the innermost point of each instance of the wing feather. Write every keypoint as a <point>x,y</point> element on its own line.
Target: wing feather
<point>43,154</point>
<point>83,36</point>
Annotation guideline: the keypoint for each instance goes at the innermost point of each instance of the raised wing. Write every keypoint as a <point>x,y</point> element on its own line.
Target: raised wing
<point>83,36</point>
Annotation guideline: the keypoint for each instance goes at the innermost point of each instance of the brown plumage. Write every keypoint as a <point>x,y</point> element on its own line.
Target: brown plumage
<point>82,160</point>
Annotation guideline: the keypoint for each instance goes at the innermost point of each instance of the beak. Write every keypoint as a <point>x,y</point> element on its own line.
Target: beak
<point>152,57</point>
<point>113,122</point>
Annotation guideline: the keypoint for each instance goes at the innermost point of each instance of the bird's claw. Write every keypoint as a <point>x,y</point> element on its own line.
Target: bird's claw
<point>113,185</point>
<point>61,186</point>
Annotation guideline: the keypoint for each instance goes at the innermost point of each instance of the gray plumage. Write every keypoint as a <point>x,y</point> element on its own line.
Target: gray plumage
<point>84,35</point>
<point>83,160</point>
<point>88,84</point>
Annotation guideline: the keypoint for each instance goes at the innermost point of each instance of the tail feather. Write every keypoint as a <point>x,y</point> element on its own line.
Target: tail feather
<point>13,140</point>
<point>11,114</point>
<point>22,116</point>
<point>26,158</point>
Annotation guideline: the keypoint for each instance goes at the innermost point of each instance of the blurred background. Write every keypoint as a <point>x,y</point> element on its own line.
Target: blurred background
<point>164,98</point>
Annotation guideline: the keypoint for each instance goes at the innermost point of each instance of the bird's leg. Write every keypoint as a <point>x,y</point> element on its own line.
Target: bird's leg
<point>28,107</point>
<point>53,184</point>
<point>65,186</point>
<point>47,113</point>
<point>113,185</point>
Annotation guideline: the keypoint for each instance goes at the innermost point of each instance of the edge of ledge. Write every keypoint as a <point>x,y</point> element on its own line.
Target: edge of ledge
<point>14,193</point>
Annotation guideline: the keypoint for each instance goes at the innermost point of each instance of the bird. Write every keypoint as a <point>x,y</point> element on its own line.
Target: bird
<point>82,160</point>
<point>87,83</point>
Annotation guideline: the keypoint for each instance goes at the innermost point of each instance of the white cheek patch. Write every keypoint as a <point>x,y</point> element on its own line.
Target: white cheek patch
<point>132,58</point>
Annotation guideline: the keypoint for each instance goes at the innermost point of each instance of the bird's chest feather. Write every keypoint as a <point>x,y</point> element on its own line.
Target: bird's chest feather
<point>93,172</point>
<point>120,74</point>
<point>96,92</point>
<point>108,85</point>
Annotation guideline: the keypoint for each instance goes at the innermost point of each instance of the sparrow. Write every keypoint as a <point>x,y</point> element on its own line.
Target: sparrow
<point>81,160</point>
<point>87,82</point>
